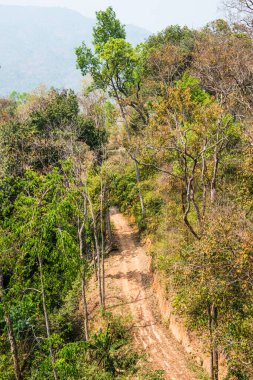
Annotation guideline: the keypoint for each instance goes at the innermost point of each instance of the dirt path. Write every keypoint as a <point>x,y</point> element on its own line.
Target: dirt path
<point>128,284</point>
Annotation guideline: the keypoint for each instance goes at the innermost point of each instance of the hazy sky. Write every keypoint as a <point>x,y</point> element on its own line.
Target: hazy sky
<point>153,15</point>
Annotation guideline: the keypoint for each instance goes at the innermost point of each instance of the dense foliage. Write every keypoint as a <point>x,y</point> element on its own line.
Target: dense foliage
<point>185,98</point>
<point>164,131</point>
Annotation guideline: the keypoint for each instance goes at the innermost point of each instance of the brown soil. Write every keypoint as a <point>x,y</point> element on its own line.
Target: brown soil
<point>129,290</point>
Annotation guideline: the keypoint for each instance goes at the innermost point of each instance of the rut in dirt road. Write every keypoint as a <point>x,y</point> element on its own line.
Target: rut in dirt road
<point>128,271</point>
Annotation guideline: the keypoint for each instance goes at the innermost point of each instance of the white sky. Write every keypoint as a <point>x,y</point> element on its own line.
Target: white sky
<point>153,15</point>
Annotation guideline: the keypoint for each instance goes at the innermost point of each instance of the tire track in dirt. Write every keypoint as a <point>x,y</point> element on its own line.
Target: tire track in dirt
<point>128,285</point>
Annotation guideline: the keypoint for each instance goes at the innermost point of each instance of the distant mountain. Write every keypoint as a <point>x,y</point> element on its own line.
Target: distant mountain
<point>37,46</point>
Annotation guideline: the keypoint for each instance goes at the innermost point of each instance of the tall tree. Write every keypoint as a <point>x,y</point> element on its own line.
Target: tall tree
<point>241,11</point>
<point>115,67</point>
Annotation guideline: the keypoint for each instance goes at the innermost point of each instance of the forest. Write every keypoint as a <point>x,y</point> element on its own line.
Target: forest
<point>164,132</point>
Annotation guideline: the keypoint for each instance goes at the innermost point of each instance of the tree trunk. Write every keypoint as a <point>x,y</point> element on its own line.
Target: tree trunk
<point>203,171</point>
<point>11,335</point>
<point>97,250</point>
<point>214,177</point>
<point>102,240</point>
<point>48,332</point>
<point>214,353</point>
<point>13,345</point>
<point>108,227</point>
<point>138,180</point>
<point>215,347</point>
<point>83,283</point>
<point>186,195</point>
<point>85,307</point>
<point>136,167</point>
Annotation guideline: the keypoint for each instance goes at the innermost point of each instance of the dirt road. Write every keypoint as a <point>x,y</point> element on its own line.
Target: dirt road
<point>128,284</point>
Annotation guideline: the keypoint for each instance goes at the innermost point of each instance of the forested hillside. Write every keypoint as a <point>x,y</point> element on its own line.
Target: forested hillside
<point>164,133</point>
<point>37,46</point>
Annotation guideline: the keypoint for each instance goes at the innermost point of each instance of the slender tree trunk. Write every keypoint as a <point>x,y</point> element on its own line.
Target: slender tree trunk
<point>48,331</point>
<point>85,307</point>
<point>215,348</point>
<point>102,240</point>
<point>83,283</point>
<point>13,345</point>
<point>136,167</point>
<point>97,250</point>
<point>108,226</point>
<point>203,171</point>
<point>138,179</point>
<point>11,335</point>
<point>195,205</point>
<point>94,264</point>
<point>215,171</point>
<point>211,342</point>
<point>214,178</point>
<point>187,208</point>
<point>214,353</point>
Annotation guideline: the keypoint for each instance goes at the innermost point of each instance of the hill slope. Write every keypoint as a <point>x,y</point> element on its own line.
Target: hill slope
<point>37,46</point>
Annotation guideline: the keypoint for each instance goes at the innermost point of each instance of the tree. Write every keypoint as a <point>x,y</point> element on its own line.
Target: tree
<point>108,26</point>
<point>241,11</point>
<point>222,62</point>
<point>218,274</point>
<point>182,37</point>
<point>186,139</point>
<point>41,220</point>
<point>114,66</point>
<point>46,129</point>
<point>11,335</point>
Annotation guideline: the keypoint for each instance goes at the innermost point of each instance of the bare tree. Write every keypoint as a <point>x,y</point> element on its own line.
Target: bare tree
<point>223,63</point>
<point>241,11</point>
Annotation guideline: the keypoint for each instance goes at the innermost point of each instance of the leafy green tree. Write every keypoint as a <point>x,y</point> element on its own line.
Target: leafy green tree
<point>214,284</point>
<point>46,257</point>
<point>108,26</point>
<point>46,130</point>
<point>115,66</point>
<point>173,35</point>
